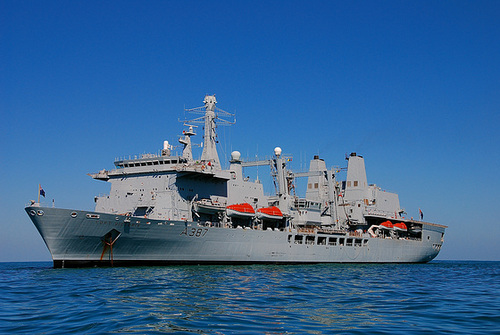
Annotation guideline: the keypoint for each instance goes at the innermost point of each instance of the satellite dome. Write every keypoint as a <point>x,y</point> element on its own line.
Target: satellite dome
<point>235,155</point>
<point>277,151</point>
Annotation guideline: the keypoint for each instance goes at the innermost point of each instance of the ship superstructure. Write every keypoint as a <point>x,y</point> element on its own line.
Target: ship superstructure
<point>165,209</point>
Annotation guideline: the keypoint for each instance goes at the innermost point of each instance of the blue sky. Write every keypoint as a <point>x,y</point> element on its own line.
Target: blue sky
<point>412,86</point>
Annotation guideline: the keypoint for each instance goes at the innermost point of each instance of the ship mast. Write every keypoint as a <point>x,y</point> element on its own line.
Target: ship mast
<point>212,116</point>
<point>210,139</point>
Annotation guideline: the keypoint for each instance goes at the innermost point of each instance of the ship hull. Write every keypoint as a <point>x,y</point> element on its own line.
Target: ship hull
<point>81,238</point>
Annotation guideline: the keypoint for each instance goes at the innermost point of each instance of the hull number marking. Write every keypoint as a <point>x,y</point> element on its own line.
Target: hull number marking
<point>194,232</point>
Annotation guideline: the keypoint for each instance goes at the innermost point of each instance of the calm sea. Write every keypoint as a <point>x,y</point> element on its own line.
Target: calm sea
<point>439,297</point>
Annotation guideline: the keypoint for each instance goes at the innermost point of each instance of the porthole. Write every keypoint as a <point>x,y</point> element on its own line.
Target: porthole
<point>74,214</point>
<point>32,212</point>
<point>39,212</point>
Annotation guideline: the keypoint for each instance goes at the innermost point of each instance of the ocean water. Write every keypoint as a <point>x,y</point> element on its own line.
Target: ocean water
<point>439,297</point>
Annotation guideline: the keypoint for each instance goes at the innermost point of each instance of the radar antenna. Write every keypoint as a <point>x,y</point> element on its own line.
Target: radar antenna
<point>187,152</point>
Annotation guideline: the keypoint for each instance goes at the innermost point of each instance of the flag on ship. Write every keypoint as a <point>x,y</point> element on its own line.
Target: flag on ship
<point>42,192</point>
<point>421,214</point>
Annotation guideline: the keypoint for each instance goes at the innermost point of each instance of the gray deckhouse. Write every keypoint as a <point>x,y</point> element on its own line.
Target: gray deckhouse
<point>169,187</point>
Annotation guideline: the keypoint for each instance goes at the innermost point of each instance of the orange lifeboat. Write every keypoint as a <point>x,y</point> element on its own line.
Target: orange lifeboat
<point>400,227</point>
<point>270,213</point>
<point>244,210</point>
<point>387,225</point>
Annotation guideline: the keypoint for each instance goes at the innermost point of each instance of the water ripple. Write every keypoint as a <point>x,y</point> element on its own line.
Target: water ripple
<point>446,297</point>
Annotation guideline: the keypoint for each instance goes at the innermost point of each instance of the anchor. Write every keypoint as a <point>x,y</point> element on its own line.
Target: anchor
<point>109,240</point>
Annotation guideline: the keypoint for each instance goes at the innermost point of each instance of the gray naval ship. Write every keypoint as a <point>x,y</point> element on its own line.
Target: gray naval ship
<point>164,209</point>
